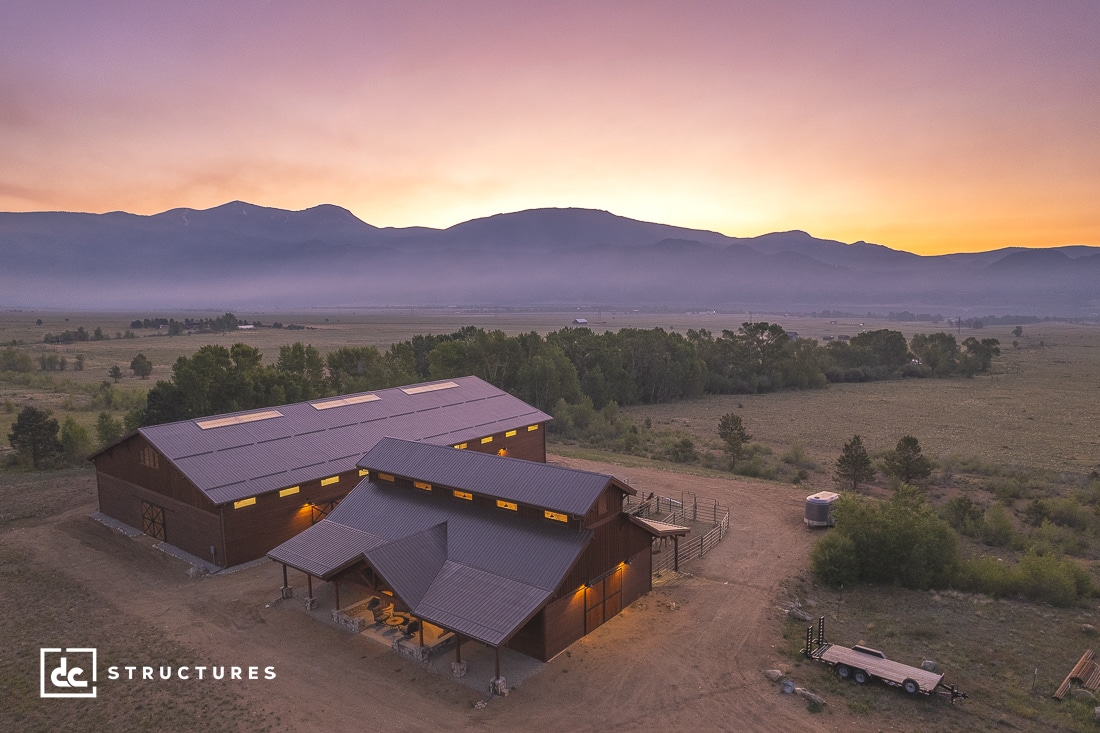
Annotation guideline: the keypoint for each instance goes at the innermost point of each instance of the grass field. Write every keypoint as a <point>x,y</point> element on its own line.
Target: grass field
<point>1036,415</point>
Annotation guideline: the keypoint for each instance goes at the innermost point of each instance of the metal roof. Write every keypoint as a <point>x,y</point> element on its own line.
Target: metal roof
<point>244,457</point>
<point>480,571</point>
<point>565,490</point>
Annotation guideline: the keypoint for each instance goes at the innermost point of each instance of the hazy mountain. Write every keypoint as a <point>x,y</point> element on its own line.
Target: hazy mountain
<point>243,256</point>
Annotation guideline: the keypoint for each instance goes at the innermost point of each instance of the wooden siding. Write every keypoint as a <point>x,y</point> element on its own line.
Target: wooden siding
<point>124,462</point>
<point>530,445</point>
<point>613,542</point>
<point>251,531</point>
<point>564,623</point>
<point>191,529</point>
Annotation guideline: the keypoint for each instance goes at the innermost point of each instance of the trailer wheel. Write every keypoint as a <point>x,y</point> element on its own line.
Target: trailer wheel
<point>860,676</point>
<point>911,687</point>
<point>843,671</point>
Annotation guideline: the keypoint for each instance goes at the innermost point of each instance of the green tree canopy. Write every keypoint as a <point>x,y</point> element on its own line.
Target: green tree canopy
<point>34,434</point>
<point>141,366</point>
<point>906,463</point>
<point>732,431</point>
<point>853,467</point>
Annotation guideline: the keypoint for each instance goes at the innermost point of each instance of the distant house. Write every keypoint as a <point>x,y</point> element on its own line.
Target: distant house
<point>246,327</point>
<point>843,337</point>
<point>506,552</point>
<point>580,321</point>
<point>228,488</point>
<point>826,338</point>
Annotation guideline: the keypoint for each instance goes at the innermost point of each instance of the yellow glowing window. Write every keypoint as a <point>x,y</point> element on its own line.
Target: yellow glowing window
<point>532,428</point>
<point>555,516</point>
<point>244,502</point>
<point>507,505</point>
<point>487,440</point>
<point>290,492</point>
<point>510,434</point>
<point>464,495</point>
<point>364,472</point>
<point>422,485</point>
<point>330,480</point>
<point>385,476</point>
<point>461,446</point>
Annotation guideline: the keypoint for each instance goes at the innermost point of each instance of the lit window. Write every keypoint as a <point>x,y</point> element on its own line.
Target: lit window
<point>532,428</point>
<point>464,495</point>
<point>290,492</point>
<point>461,446</point>
<point>330,480</point>
<point>244,502</point>
<point>510,434</point>
<point>364,472</point>
<point>511,505</point>
<point>487,440</point>
<point>386,477</point>
<point>555,516</point>
<point>422,485</point>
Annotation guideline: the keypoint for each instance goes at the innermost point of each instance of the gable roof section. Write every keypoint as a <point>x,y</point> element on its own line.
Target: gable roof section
<point>240,457</point>
<point>479,571</point>
<point>566,490</point>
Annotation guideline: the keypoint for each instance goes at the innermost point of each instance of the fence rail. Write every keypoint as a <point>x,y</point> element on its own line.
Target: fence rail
<point>688,508</point>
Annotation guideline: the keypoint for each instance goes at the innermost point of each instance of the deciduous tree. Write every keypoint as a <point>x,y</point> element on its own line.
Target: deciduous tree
<point>141,366</point>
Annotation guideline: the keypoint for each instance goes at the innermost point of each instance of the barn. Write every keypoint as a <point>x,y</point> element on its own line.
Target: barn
<point>529,556</point>
<point>228,488</point>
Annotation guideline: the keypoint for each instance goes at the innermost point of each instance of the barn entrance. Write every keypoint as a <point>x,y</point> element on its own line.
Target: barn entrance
<point>603,599</point>
<point>152,520</point>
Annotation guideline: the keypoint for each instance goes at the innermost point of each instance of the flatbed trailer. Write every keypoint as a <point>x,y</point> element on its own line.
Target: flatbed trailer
<point>862,664</point>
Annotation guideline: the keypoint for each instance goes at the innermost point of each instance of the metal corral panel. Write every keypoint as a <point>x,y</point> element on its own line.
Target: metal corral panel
<point>565,490</point>
<point>235,461</point>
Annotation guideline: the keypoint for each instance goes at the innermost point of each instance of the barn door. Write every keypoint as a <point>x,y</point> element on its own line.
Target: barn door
<point>152,520</point>
<point>603,599</point>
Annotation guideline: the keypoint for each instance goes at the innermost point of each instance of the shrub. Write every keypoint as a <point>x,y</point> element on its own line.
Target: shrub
<point>996,527</point>
<point>835,560</point>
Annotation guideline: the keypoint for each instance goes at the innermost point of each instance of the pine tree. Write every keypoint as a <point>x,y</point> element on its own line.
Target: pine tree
<point>733,433</point>
<point>853,467</point>
<point>906,462</point>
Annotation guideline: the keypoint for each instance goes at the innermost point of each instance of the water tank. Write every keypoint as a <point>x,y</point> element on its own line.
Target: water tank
<point>819,509</point>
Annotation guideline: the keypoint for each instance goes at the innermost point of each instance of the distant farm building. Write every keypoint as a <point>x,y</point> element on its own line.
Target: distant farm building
<point>507,552</point>
<point>229,488</point>
<point>580,321</point>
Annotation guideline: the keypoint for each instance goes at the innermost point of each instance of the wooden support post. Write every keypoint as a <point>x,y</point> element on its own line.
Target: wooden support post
<point>497,650</point>
<point>285,584</point>
<point>421,632</point>
<point>676,553</point>
<point>336,593</point>
<point>309,585</point>
<point>458,647</point>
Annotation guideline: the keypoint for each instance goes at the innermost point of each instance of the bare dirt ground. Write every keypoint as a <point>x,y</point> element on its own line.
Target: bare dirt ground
<point>690,655</point>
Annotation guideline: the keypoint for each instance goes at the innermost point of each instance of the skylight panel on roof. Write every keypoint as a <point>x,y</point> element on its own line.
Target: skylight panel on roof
<point>429,387</point>
<point>344,401</point>
<point>237,419</point>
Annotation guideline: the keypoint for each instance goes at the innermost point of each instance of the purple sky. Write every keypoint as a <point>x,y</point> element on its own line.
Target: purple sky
<point>926,126</point>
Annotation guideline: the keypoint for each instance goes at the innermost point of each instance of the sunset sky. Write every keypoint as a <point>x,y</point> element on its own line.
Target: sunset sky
<point>926,126</point>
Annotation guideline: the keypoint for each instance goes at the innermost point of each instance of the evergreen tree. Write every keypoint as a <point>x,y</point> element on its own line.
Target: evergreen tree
<point>731,429</point>
<point>34,433</point>
<point>141,366</point>
<point>853,467</point>
<point>906,463</point>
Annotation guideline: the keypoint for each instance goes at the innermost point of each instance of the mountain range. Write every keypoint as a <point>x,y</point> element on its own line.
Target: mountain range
<point>242,256</point>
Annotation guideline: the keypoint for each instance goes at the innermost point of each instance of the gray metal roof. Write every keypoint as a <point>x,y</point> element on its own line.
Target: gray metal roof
<point>565,490</point>
<point>302,443</point>
<point>480,571</point>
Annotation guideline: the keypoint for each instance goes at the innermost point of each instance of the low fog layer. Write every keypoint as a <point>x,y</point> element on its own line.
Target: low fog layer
<point>244,256</point>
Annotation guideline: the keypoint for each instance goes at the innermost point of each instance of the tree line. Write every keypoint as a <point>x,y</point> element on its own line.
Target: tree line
<point>571,365</point>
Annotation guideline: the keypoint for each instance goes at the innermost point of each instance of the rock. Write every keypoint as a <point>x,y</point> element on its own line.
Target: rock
<point>787,687</point>
<point>773,674</point>
<point>798,613</point>
<point>929,665</point>
<point>811,696</point>
<point>1082,694</point>
<point>1088,629</point>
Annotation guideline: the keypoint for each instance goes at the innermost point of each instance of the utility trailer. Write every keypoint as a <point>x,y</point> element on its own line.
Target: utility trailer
<point>862,664</point>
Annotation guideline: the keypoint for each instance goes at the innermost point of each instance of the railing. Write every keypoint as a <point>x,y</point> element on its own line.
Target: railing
<point>688,508</point>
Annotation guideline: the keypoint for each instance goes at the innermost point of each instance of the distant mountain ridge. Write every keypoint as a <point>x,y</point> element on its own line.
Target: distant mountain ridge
<point>240,255</point>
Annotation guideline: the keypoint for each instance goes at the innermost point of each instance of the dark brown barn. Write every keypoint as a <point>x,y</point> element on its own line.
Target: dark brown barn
<point>507,552</point>
<point>229,488</point>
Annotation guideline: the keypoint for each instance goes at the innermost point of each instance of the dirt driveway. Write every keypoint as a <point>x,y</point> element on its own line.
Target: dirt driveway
<point>689,656</point>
